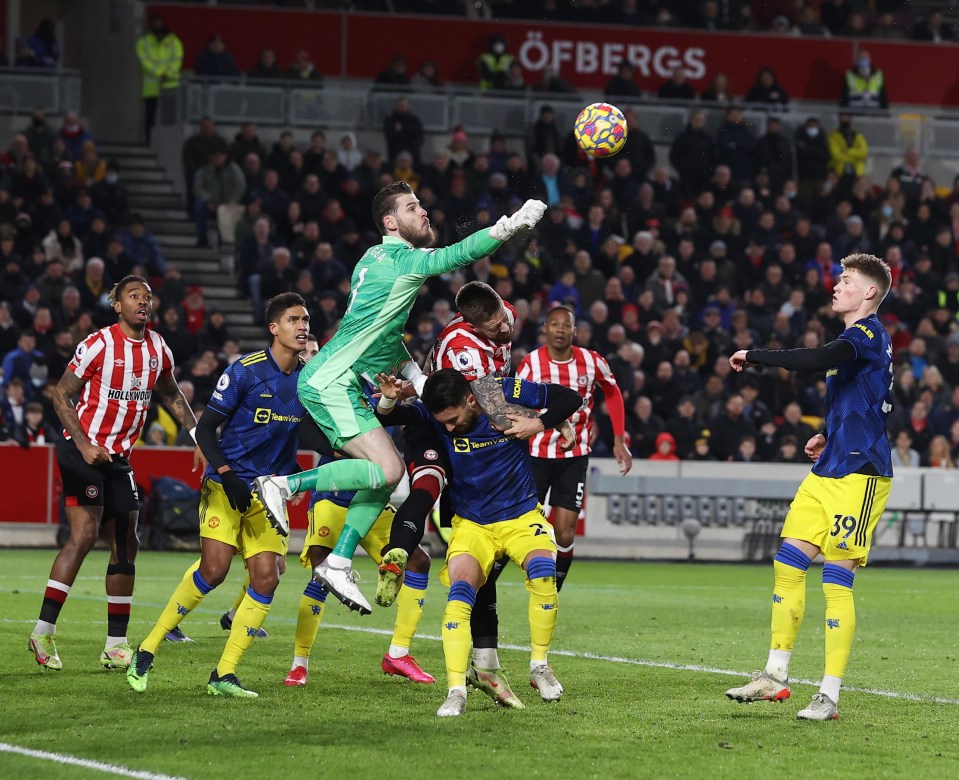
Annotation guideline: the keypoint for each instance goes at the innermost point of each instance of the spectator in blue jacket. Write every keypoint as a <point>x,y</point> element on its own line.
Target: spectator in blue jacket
<point>20,363</point>
<point>142,245</point>
<point>43,44</point>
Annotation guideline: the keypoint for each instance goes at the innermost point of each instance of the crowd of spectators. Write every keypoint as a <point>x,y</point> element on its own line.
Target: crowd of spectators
<point>669,268</point>
<point>881,19</point>
<point>67,234</point>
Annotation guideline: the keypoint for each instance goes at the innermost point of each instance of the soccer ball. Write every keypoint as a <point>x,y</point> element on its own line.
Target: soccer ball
<point>600,130</point>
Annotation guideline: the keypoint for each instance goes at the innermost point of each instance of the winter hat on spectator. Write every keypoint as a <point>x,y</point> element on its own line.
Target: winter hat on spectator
<point>717,248</point>
<point>460,135</point>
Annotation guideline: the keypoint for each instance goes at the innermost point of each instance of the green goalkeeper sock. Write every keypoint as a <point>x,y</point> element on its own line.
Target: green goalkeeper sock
<point>345,474</point>
<point>364,510</point>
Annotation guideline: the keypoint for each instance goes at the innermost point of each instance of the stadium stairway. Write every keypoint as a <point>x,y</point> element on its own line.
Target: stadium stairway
<point>153,195</point>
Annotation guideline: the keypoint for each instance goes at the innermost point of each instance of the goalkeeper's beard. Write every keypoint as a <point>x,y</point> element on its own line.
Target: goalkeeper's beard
<point>418,240</point>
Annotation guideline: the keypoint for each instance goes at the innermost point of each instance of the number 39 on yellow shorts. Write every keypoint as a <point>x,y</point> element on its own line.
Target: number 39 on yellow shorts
<point>838,515</point>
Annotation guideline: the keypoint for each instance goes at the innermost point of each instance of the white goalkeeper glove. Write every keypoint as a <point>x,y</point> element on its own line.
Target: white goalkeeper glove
<point>526,216</point>
<point>414,374</point>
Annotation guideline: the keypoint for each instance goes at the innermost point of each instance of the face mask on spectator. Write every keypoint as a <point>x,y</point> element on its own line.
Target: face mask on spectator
<point>812,132</point>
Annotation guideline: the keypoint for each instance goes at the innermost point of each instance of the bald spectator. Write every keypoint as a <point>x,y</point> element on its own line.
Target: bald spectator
<point>94,285</point>
<point>278,276</point>
<point>665,282</point>
<point>728,430</point>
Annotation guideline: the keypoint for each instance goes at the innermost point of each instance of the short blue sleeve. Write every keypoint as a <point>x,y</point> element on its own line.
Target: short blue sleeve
<point>229,389</point>
<point>865,339</point>
<point>532,395</point>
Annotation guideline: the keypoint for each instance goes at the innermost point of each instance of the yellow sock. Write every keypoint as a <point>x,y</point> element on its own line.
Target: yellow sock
<point>543,607</point>
<point>840,618</point>
<point>249,619</point>
<point>309,615</point>
<point>789,605</point>
<point>409,609</point>
<point>457,638</point>
<point>188,594</point>
<point>241,595</point>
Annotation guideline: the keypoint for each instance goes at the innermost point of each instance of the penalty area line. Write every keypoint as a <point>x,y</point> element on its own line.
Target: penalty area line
<point>86,763</point>
<point>615,659</point>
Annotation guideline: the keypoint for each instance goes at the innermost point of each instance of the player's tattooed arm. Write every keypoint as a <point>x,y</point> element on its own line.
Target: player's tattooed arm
<point>488,392</point>
<point>175,401</point>
<point>68,386</point>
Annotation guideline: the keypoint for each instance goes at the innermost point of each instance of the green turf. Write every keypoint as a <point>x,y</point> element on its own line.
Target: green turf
<point>635,717</point>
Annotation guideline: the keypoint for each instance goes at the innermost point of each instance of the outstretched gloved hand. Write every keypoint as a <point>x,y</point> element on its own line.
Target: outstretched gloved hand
<point>526,216</point>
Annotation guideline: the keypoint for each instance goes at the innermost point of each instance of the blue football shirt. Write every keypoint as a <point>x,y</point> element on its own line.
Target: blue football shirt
<point>492,479</point>
<point>858,399</point>
<point>264,413</point>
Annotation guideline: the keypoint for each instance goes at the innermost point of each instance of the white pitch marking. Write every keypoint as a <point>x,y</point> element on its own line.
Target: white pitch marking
<point>615,659</point>
<point>86,763</point>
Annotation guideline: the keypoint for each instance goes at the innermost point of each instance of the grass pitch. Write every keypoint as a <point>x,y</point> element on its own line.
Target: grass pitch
<point>645,652</point>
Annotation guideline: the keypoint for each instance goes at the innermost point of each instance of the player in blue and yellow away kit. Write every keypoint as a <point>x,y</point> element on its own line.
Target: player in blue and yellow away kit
<point>256,403</point>
<point>496,512</point>
<point>839,504</point>
<point>327,519</point>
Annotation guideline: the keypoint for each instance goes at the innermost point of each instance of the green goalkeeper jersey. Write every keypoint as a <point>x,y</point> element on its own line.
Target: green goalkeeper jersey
<point>384,287</point>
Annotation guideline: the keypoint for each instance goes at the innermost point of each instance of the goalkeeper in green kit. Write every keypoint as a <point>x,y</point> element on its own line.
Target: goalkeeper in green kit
<point>369,341</point>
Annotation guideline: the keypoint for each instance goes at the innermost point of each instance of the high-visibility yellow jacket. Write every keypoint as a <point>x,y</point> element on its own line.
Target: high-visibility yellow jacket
<point>865,92</point>
<point>846,158</point>
<point>161,61</point>
<point>493,69</point>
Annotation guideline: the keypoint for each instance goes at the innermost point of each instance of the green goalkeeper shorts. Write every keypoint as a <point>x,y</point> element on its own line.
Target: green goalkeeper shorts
<point>341,409</point>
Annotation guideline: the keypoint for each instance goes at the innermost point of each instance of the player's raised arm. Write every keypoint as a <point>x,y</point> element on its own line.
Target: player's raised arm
<point>474,246</point>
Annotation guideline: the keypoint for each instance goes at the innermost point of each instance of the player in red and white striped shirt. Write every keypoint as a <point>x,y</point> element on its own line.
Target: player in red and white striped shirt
<point>114,371</point>
<point>563,474</point>
<point>478,349</point>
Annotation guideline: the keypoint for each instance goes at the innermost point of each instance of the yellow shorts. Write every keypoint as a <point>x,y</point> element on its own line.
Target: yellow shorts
<point>838,515</point>
<point>250,532</point>
<point>326,524</point>
<point>486,543</point>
